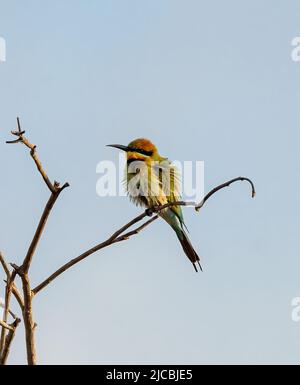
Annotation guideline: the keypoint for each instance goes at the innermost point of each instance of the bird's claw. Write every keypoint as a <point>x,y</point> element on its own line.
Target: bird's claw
<point>149,212</point>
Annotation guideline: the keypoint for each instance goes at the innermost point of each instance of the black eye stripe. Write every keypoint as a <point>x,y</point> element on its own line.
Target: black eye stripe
<point>129,161</point>
<point>142,152</point>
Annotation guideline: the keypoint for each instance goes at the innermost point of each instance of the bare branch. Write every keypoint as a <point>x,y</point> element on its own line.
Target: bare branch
<point>12,314</point>
<point>4,265</point>
<point>223,185</point>
<point>30,253</point>
<point>21,139</point>
<point>198,206</point>
<point>10,281</point>
<point>26,302</point>
<point>8,341</point>
<point>17,296</point>
<point>80,258</point>
<point>120,235</point>
<point>126,236</point>
<point>5,325</point>
<point>113,239</point>
<point>55,192</point>
<point>128,225</point>
<point>117,237</point>
<point>14,288</point>
<point>29,323</point>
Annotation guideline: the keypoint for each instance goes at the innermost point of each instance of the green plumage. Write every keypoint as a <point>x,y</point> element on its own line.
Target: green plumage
<point>152,180</point>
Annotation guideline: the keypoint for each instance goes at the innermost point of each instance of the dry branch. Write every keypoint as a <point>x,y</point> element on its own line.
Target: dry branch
<point>10,288</point>
<point>8,341</point>
<point>14,288</point>
<point>22,271</point>
<point>226,184</point>
<point>21,139</point>
<point>8,291</point>
<point>5,325</point>
<point>42,223</point>
<point>118,237</point>
<point>17,296</point>
<point>122,234</point>
<point>29,323</point>
<point>4,265</point>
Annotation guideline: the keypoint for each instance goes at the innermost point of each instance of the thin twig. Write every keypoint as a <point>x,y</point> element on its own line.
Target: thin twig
<point>15,292</point>
<point>117,237</point>
<point>4,265</point>
<point>21,139</point>
<point>55,189</point>
<point>8,341</point>
<point>226,184</point>
<point>26,302</point>
<point>17,296</point>
<point>5,325</point>
<point>42,223</point>
<point>10,312</point>
<point>8,291</point>
<point>122,234</point>
<point>29,323</point>
<point>14,288</point>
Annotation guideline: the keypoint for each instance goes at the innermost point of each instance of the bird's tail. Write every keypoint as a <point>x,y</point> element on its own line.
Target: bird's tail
<point>188,248</point>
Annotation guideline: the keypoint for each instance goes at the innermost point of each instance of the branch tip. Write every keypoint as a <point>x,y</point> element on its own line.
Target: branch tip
<point>223,185</point>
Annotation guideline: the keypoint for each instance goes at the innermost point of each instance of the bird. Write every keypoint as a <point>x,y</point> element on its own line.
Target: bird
<point>152,180</point>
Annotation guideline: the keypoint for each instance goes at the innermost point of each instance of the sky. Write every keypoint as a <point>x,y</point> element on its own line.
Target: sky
<point>205,80</point>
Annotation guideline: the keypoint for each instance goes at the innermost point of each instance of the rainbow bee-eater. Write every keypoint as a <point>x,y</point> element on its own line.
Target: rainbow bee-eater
<point>152,180</point>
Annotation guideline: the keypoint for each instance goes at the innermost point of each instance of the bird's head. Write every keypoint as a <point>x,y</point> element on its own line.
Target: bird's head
<point>139,149</point>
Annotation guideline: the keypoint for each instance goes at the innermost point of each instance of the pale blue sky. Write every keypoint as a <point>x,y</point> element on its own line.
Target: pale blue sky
<point>205,80</point>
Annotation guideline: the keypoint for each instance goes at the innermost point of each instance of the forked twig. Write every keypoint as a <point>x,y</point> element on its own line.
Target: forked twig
<point>22,271</point>
<point>21,139</point>
<point>118,237</point>
<point>10,288</point>
<point>122,234</point>
<point>8,341</point>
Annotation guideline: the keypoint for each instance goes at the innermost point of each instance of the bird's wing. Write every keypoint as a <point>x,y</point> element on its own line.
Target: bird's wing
<point>170,185</point>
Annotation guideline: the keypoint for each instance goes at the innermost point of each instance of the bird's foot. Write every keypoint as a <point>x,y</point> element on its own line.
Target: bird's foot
<point>149,212</point>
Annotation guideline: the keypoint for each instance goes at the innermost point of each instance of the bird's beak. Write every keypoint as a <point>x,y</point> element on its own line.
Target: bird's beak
<point>119,146</point>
